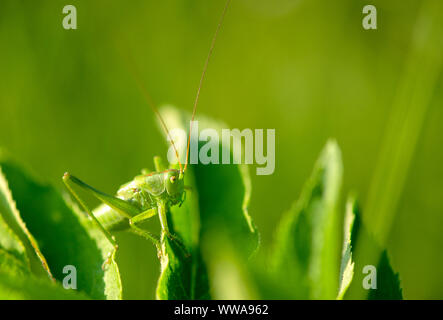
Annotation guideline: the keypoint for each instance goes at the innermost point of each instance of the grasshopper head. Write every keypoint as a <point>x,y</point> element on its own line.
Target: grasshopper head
<point>174,183</point>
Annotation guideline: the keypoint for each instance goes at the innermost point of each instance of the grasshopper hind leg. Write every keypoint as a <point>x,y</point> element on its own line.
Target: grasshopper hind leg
<point>69,180</point>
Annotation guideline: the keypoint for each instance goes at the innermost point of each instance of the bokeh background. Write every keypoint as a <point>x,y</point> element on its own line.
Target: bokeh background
<point>68,101</point>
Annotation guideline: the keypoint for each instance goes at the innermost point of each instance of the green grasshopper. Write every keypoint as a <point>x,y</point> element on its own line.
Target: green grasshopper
<point>147,195</point>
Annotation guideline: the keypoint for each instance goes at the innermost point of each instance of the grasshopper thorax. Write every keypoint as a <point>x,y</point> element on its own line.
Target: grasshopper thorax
<point>166,185</point>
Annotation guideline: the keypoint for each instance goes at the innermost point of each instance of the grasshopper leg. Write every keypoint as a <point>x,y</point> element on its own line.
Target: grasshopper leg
<point>143,233</point>
<point>67,181</point>
<point>166,230</point>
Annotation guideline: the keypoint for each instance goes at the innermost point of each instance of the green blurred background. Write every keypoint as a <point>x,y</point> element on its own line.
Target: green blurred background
<point>68,101</point>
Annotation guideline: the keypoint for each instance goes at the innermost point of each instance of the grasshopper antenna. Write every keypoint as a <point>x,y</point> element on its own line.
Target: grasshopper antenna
<point>203,77</point>
<point>151,104</point>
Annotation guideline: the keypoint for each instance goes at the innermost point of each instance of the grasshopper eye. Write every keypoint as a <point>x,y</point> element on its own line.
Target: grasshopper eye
<point>172,179</point>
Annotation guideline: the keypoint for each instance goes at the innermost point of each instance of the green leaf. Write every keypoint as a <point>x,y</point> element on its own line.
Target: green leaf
<point>388,282</point>
<point>12,265</point>
<point>65,236</point>
<point>183,277</point>
<point>15,234</point>
<point>307,245</point>
<point>361,249</point>
<point>28,287</point>
<point>10,244</point>
<point>230,273</point>
<point>13,258</point>
<point>347,265</point>
<point>216,203</point>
